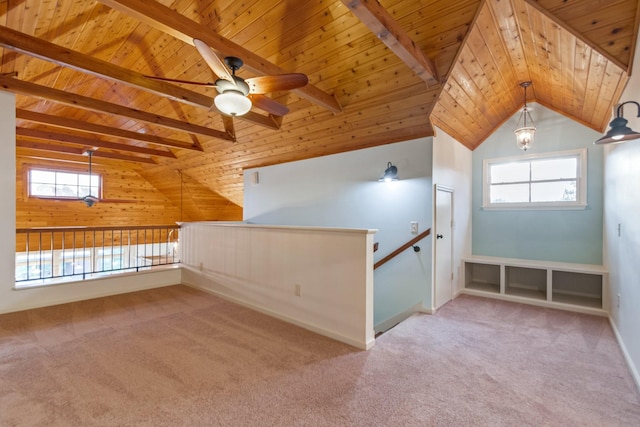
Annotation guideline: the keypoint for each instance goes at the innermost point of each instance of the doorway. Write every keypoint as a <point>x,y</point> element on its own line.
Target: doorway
<point>443,275</point>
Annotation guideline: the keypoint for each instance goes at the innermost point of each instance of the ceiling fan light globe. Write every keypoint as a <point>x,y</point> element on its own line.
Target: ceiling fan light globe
<point>232,103</point>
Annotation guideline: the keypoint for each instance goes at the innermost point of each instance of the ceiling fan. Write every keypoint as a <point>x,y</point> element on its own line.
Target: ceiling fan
<point>91,199</point>
<point>236,95</point>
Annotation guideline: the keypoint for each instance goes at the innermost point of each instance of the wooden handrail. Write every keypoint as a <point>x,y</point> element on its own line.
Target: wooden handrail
<point>82,228</point>
<point>402,248</point>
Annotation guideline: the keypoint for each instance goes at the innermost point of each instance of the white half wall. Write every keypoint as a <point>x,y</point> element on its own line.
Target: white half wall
<point>317,278</point>
<point>452,166</point>
<point>61,293</point>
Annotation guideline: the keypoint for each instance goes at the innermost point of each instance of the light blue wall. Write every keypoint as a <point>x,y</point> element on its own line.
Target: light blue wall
<point>560,235</point>
<point>342,190</point>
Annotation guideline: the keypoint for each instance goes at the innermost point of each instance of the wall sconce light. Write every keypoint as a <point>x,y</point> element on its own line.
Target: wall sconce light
<point>619,131</point>
<point>390,174</point>
<point>526,132</point>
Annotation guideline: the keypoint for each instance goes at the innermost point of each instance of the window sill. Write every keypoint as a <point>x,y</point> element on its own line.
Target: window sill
<point>531,207</point>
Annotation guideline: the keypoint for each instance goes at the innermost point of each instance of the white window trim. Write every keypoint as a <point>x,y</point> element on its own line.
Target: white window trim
<point>581,183</point>
<point>53,169</point>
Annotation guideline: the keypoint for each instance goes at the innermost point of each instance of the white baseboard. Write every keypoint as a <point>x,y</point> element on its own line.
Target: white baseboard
<point>433,310</point>
<point>427,310</point>
<point>625,353</point>
<point>389,323</point>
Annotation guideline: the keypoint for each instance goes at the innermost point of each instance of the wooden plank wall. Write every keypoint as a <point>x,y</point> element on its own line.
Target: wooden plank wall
<point>133,201</point>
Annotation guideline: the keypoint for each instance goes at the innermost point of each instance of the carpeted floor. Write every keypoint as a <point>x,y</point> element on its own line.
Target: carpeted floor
<point>179,357</point>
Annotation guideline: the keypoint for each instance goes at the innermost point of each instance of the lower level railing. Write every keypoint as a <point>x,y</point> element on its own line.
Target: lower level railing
<point>43,254</point>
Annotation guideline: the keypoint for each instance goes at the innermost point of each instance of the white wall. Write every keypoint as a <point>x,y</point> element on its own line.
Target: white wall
<point>8,186</point>
<point>342,190</point>
<point>621,207</point>
<point>261,267</point>
<point>452,168</point>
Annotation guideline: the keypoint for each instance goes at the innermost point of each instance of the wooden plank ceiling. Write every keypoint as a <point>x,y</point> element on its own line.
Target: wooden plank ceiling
<point>379,72</point>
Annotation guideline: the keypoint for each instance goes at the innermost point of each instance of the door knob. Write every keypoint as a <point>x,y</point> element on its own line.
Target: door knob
<point>439,236</point>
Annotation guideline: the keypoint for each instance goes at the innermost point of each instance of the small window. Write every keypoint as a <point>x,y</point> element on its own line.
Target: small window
<point>62,184</point>
<point>547,181</point>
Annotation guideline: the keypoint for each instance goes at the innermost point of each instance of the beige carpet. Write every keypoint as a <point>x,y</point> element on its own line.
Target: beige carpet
<point>179,357</point>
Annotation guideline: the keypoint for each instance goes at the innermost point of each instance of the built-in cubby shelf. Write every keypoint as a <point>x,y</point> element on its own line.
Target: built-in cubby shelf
<point>577,287</point>
<point>482,277</point>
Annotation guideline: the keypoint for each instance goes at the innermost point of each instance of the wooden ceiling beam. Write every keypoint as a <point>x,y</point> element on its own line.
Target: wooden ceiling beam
<point>31,89</point>
<point>71,124</point>
<point>91,142</point>
<point>381,23</point>
<point>269,121</point>
<point>59,55</point>
<point>171,22</point>
<point>79,151</point>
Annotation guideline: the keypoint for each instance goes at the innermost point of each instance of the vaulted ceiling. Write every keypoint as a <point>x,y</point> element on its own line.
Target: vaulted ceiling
<point>379,72</point>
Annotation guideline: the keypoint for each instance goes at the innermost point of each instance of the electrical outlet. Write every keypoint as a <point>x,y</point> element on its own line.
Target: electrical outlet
<point>619,230</point>
<point>414,227</point>
<point>297,290</point>
<point>618,300</point>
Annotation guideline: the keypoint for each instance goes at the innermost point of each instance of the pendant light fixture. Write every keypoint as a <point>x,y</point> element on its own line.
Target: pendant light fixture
<point>232,99</point>
<point>90,199</point>
<point>619,131</point>
<point>525,130</point>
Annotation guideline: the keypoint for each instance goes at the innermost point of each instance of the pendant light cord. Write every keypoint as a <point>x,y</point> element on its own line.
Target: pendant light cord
<point>525,106</point>
<point>181,185</point>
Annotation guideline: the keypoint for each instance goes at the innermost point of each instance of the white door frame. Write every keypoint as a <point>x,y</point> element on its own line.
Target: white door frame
<point>438,187</point>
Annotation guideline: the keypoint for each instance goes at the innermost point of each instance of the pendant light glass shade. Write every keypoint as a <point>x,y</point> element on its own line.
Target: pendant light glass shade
<point>525,136</point>
<point>232,103</point>
<point>525,131</point>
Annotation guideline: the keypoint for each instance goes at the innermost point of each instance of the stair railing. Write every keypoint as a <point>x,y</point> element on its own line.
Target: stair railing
<point>403,248</point>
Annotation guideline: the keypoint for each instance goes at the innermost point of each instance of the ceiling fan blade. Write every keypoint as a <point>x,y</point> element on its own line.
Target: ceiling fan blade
<point>267,104</point>
<point>213,61</point>
<point>189,82</point>
<point>267,84</point>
